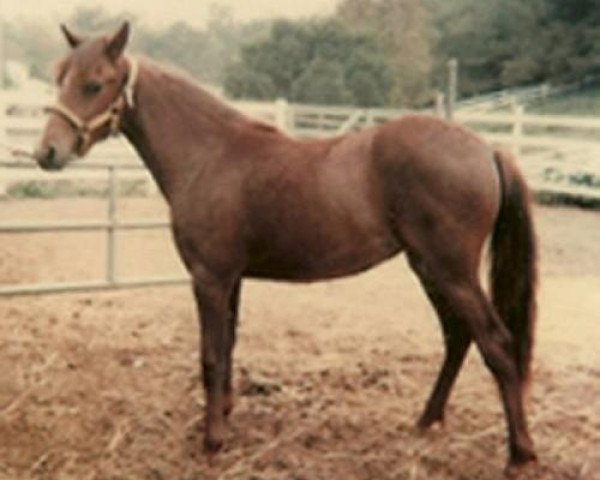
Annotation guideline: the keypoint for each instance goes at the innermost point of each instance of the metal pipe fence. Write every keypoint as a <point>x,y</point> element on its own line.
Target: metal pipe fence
<point>110,225</point>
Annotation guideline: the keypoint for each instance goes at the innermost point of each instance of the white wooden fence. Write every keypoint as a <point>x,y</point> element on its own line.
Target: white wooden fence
<point>558,153</point>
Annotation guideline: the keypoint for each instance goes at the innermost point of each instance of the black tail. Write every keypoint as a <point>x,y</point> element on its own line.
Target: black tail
<point>513,275</point>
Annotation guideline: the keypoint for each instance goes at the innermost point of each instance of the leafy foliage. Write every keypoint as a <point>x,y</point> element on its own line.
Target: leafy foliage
<point>313,62</point>
<point>322,82</point>
<point>370,53</point>
<point>400,28</point>
<point>501,43</point>
<point>247,83</point>
<point>205,53</point>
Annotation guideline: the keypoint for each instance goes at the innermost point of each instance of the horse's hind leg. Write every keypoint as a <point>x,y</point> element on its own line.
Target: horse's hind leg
<point>457,341</point>
<point>459,295</point>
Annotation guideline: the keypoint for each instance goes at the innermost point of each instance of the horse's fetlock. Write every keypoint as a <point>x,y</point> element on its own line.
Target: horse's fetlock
<point>212,373</point>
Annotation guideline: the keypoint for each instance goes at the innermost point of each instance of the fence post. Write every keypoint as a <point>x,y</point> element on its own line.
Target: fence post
<point>369,118</point>
<point>545,90</point>
<point>517,131</point>
<point>452,92</point>
<point>439,104</point>
<point>3,72</point>
<point>281,113</point>
<point>111,233</point>
<point>3,119</point>
<point>3,140</point>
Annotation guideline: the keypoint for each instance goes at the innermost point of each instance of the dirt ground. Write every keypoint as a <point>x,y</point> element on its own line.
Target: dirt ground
<point>330,376</point>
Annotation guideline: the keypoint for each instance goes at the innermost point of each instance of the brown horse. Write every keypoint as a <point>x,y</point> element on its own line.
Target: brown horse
<point>249,201</point>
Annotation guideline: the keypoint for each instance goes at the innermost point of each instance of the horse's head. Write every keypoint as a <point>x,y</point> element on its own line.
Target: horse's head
<point>94,83</point>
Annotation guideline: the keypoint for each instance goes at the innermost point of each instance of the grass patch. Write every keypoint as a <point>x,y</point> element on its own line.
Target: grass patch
<point>564,200</point>
<point>581,102</point>
<point>70,188</point>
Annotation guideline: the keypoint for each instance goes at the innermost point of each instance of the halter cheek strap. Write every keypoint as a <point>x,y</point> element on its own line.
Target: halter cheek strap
<point>111,116</point>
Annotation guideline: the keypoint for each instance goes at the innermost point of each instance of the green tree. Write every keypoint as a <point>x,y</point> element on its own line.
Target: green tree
<point>401,30</point>
<point>206,52</point>
<point>242,82</point>
<point>368,77</point>
<point>300,58</point>
<point>323,83</point>
<point>282,56</point>
<point>179,44</point>
<point>503,43</point>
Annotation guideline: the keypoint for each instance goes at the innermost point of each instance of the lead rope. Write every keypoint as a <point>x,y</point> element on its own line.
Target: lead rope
<point>17,152</point>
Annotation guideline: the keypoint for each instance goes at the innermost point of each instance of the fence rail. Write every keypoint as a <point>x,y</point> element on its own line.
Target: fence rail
<point>553,152</point>
<point>558,154</point>
<point>110,225</point>
<point>501,99</point>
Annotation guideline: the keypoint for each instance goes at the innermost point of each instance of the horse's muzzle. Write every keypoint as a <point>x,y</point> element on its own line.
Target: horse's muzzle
<point>48,158</point>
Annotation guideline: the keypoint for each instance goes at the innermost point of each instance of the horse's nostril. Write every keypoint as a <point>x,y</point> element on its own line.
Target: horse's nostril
<point>51,153</point>
<point>48,157</point>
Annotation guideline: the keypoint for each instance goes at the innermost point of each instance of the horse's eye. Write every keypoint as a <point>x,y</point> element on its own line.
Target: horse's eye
<point>92,88</point>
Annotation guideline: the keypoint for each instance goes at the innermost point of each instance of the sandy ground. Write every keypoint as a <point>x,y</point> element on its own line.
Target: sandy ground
<point>331,376</point>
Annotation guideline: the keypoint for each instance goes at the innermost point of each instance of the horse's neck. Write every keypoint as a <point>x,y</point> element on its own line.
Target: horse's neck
<point>175,127</point>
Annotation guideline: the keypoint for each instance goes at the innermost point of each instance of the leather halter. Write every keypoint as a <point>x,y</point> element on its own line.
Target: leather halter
<point>111,116</point>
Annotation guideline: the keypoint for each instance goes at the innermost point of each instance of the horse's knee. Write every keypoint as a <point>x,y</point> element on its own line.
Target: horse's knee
<point>496,347</point>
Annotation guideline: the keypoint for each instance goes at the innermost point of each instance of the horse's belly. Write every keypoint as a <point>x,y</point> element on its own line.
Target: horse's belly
<point>311,264</point>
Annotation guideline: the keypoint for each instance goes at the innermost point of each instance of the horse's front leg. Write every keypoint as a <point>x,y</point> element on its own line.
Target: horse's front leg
<point>234,303</point>
<point>213,299</point>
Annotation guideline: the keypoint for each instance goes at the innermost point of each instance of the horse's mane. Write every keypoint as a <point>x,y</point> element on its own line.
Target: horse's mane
<point>194,94</point>
<point>262,126</point>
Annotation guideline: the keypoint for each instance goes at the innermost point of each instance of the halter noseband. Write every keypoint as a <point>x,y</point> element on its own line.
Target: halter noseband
<point>111,116</point>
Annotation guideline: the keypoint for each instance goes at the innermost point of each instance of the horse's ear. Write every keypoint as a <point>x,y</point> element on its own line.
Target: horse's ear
<point>116,44</point>
<point>72,39</point>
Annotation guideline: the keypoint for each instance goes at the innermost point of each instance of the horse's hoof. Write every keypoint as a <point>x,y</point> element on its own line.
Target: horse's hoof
<point>212,445</point>
<point>426,423</point>
<point>523,469</point>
